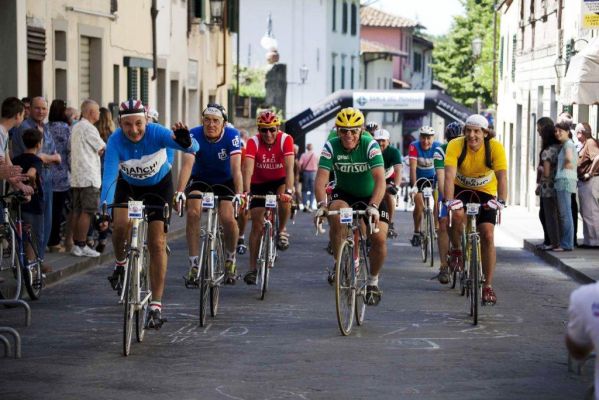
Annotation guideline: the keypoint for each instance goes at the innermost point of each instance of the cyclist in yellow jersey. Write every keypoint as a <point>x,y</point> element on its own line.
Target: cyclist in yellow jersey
<point>477,162</point>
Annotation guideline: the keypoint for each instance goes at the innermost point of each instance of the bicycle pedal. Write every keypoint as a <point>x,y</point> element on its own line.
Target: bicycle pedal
<point>191,284</point>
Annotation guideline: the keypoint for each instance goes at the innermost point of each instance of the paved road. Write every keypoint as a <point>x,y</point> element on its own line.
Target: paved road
<point>418,343</point>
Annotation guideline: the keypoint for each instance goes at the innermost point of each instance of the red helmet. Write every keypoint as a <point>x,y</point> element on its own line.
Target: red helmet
<point>267,119</point>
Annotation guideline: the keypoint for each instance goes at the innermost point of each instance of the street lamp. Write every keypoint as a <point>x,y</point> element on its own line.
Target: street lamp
<point>303,74</point>
<point>216,11</point>
<point>477,47</point>
<point>268,41</point>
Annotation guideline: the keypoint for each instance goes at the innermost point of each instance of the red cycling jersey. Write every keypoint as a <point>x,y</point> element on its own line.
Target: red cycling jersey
<point>269,160</point>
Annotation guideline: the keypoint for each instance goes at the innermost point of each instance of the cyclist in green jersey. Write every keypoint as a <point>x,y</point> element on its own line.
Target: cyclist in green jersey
<point>360,183</point>
<point>392,160</point>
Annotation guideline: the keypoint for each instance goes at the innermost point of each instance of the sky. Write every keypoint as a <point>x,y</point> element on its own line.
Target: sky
<point>435,15</point>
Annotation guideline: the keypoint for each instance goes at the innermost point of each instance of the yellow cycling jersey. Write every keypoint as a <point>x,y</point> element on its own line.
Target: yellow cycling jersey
<point>473,173</point>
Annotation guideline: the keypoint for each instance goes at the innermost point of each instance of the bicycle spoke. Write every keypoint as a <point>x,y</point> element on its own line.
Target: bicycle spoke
<point>345,294</point>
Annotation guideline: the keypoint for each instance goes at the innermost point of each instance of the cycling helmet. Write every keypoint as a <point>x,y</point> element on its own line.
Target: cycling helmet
<point>477,121</point>
<point>453,130</point>
<point>349,118</point>
<point>427,131</point>
<point>381,134</point>
<point>216,110</point>
<point>132,107</point>
<point>153,114</point>
<point>267,119</point>
<point>372,126</point>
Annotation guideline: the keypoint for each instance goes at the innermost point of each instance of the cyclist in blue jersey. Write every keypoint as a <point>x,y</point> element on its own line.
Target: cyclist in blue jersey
<point>216,167</point>
<point>421,154</point>
<point>136,167</point>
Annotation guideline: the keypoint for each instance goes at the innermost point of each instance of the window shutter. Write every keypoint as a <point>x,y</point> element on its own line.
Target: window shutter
<point>131,83</point>
<point>514,44</point>
<point>143,86</point>
<point>198,8</point>
<point>233,15</point>
<point>36,43</point>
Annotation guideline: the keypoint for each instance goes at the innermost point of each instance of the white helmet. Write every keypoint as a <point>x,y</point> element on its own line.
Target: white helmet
<point>477,121</point>
<point>381,134</point>
<point>427,131</point>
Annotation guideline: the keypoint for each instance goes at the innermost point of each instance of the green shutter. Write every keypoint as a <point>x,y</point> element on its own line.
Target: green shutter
<point>131,83</point>
<point>514,44</point>
<point>501,58</point>
<point>143,86</point>
<point>198,8</point>
<point>233,15</point>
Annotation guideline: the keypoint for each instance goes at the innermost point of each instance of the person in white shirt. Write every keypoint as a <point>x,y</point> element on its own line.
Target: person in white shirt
<point>583,325</point>
<point>87,147</point>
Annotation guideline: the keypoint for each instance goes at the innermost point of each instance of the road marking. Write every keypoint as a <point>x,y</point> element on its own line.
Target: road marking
<point>399,244</point>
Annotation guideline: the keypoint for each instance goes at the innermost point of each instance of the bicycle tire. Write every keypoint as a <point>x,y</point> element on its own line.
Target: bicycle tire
<point>144,291</point>
<point>345,293</point>
<point>219,272</point>
<point>431,235</point>
<point>10,268</point>
<point>465,262</point>
<point>129,306</point>
<point>424,238</point>
<point>204,281</point>
<point>361,283</point>
<point>33,278</point>
<point>265,261</point>
<point>475,279</point>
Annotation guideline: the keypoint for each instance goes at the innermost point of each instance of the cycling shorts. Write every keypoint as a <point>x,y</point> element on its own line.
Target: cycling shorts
<point>360,203</point>
<point>485,214</point>
<point>265,188</point>
<point>152,195</point>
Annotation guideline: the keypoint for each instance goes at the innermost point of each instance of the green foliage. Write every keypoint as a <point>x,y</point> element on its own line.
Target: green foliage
<point>251,82</point>
<point>467,79</point>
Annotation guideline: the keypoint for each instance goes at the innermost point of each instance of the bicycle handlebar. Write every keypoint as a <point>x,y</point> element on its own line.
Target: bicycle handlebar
<point>371,227</point>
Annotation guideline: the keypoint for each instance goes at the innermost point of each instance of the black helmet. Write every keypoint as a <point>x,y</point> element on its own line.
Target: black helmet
<point>372,126</point>
<point>453,130</point>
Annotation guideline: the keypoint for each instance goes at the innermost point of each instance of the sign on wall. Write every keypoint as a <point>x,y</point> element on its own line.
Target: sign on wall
<point>192,74</point>
<point>590,14</point>
<point>389,101</point>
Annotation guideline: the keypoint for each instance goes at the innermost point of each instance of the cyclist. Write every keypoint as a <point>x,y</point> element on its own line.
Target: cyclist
<point>371,127</point>
<point>452,131</point>
<point>421,154</point>
<point>136,159</point>
<point>360,183</point>
<point>393,164</point>
<point>216,168</point>
<point>242,218</point>
<point>477,162</point>
<point>269,162</point>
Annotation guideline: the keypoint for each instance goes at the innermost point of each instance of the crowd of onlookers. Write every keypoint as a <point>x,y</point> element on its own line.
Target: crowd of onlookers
<point>568,181</point>
<point>53,154</point>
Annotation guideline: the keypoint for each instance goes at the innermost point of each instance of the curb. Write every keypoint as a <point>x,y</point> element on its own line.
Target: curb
<point>86,264</point>
<point>554,261</point>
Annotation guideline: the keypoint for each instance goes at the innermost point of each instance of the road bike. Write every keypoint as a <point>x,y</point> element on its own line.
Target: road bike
<point>16,237</point>
<point>136,278</point>
<point>352,268</point>
<point>427,235</point>
<point>267,253</point>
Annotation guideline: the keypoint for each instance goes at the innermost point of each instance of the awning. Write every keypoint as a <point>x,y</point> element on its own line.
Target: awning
<point>581,84</point>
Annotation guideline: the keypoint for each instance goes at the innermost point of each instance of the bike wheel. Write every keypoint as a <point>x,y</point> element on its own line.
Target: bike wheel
<point>32,273</point>
<point>424,239</point>
<point>345,292</point>
<point>475,279</point>
<point>219,273</point>
<point>204,281</point>
<point>361,283</point>
<point>145,294</point>
<point>431,236</point>
<point>10,269</point>
<point>265,260</point>
<point>465,263</point>
<point>129,303</point>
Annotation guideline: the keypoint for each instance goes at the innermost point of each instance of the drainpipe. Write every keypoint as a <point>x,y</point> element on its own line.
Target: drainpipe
<point>494,90</point>
<point>224,80</point>
<point>154,14</point>
<point>560,41</point>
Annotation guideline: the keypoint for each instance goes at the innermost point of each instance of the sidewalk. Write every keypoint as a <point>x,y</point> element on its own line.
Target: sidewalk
<point>65,264</point>
<point>524,226</point>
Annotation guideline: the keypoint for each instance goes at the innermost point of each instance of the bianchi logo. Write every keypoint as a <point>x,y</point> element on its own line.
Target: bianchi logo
<point>145,167</point>
<point>355,168</point>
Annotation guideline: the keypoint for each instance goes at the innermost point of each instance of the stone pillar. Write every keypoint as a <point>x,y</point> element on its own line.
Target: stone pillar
<point>276,86</point>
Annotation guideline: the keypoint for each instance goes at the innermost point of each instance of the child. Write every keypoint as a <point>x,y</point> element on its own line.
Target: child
<point>32,212</point>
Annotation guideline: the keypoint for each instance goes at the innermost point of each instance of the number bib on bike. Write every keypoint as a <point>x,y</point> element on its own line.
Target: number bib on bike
<point>135,209</point>
<point>271,201</point>
<point>208,200</point>
<point>346,215</point>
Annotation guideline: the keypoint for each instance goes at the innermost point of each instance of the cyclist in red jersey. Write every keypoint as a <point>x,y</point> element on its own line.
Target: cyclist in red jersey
<point>268,169</point>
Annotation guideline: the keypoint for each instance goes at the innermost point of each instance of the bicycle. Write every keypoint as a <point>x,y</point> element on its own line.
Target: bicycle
<point>352,268</point>
<point>15,238</point>
<point>267,253</point>
<point>136,278</point>
<point>211,269</point>
<point>471,276</point>
<point>427,238</point>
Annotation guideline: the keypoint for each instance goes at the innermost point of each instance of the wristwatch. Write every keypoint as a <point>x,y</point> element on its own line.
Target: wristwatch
<point>289,192</point>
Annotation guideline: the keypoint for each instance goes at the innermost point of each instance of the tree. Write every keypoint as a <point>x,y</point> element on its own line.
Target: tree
<point>465,77</point>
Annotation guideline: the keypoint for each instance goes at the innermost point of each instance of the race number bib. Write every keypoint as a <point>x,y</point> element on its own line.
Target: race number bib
<point>135,209</point>
<point>208,200</point>
<point>271,201</point>
<point>472,208</point>
<point>427,192</point>
<point>346,215</point>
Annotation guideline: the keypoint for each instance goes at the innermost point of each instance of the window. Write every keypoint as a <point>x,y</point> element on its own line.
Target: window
<point>342,72</point>
<point>333,72</point>
<point>501,58</point>
<point>514,43</point>
<point>352,73</point>
<point>132,83</point>
<point>143,86</point>
<point>417,62</point>
<point>334,15</point>
<point>354,19</point>
<point>344,18</point>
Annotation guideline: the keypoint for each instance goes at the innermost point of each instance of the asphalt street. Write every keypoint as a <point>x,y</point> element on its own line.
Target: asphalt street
<point>419,343</point>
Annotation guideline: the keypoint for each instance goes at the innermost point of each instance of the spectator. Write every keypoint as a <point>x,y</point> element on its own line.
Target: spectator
<point>588,185</point>
<point>86,176</point>
<point>308,166</point>
<point>58,126</point>
<point>567,118</point>
<point>72,115</point>
<point>105,124</point>
<point>11,116</point>
<point>550,148</point>
<point>565,185</point>
<point>32,212</point>
<point>26,106</point>
<point>48,155</point>
<point>583,324</point>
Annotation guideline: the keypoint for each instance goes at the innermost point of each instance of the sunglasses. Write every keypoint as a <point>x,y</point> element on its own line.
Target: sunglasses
<point>271,130</point>
<point>348,131</point>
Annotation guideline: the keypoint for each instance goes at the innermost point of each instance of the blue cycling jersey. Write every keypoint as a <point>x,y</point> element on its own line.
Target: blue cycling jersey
<point>425,167</point>
<point>143,163</point>
<point>213,160</point>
